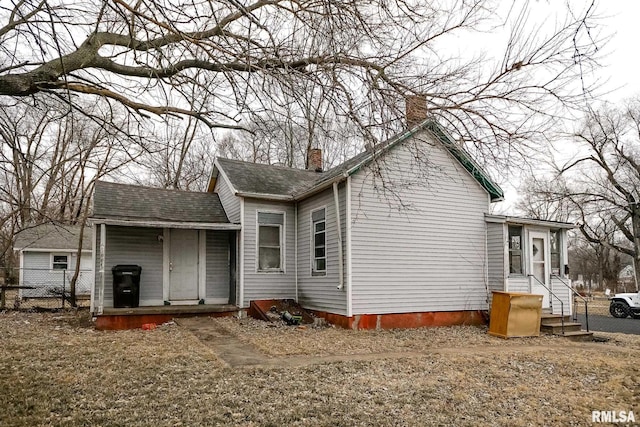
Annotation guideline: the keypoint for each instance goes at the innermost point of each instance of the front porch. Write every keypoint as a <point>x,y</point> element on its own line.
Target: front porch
<point>131,318</point>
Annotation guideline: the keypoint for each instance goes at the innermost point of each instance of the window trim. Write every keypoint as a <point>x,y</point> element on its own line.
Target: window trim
<point>283,241</point>
<point>312,253</point>
<point>52,263</point>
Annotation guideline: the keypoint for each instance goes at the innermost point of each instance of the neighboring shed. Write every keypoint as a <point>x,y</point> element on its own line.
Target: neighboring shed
<point>48,257</point>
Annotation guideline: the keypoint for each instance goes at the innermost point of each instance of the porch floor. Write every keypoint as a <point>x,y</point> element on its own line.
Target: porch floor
<point>170,309</point>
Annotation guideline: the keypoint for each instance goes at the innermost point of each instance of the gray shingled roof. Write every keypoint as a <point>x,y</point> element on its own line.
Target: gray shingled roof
<point>132,202</point>
<point>281,181</point>
<point>259,178</point>
<point>52,236</point>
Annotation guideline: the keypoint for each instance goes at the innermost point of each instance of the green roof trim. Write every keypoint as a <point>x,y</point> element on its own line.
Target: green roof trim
<point>465,160</point>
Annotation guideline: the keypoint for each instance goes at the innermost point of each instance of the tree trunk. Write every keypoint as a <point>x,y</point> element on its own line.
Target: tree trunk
<point>635,222</point>
<point>72,285</point>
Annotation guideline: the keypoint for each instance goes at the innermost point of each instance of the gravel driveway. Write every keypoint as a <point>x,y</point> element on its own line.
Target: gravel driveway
<point>57,370</point>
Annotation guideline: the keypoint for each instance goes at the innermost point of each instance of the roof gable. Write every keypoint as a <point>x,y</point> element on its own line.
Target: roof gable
<point>466,161</point>
<point>132,202</point>
<point>267,181</point>
<point>258,178</point>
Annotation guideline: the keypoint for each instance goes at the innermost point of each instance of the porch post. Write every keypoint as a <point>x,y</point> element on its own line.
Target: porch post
<point>202,265</point>
<point>103,245</point>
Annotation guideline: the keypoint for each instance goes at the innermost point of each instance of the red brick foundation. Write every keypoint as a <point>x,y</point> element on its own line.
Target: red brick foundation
<point>135,321</point>
<point>404,320</point>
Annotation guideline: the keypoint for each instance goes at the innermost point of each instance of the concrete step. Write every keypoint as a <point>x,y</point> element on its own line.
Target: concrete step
<point>556,327</point>
<point>554,317</point>
<point>552,324</point>
<point>579,336</point>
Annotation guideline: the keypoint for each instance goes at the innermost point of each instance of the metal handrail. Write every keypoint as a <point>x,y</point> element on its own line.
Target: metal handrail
<point>584,300</point>
<point>551,293</point>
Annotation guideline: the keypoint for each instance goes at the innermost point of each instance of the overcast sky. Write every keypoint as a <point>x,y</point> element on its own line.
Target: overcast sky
<point>620,62</point>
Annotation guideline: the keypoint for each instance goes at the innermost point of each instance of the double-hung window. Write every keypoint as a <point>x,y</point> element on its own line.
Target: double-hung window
<point>515,249</point>
<point>319,239</point>
<point>270,239</point>
<point>59,262</point>
<point>555,252</point>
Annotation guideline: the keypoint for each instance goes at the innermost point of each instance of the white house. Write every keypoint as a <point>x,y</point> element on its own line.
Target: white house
<point>400,235</point>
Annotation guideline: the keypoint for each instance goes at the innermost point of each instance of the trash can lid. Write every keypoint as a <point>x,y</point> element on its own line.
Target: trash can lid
<point>126,267</point>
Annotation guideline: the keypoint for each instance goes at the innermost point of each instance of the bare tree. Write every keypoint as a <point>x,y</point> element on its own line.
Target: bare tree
<point>599,264</point>
<point>359,57</point>
<point>287,142</point>
<point>544,198</point>
<point>49,162</point>
<point>595,251</point>
<point>605,179</point>
<point>181,159</point>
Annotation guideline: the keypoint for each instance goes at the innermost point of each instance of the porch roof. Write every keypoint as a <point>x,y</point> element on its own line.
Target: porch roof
<point>148,207</point>
<point>167,224</point>
<point>528,221</point>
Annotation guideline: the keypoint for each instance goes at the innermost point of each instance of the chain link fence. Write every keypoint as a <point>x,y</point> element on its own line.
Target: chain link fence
<point>43,288</point>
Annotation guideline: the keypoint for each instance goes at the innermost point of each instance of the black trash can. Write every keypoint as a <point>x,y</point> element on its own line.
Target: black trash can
<point>126,285</point>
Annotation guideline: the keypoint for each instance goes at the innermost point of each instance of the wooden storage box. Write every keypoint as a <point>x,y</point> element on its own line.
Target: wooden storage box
<point>515,314</point>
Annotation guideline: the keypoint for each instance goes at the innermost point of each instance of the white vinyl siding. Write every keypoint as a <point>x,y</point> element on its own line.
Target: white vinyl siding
<point>36,260</point>
<point>518,284</point>
<point>37,271</point>
<point>217,283</point>
<point>418,233</point>
<point>321,292</point>
<point>564,294</point>
<point>496,246</point>
<point>230,202</point>
<point>134,246</point>
<point>522,284</point>
<point>272,285</point>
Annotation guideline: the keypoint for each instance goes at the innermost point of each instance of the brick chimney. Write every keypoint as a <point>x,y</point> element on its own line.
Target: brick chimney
<point>314,159</point>
<point>415,110</point>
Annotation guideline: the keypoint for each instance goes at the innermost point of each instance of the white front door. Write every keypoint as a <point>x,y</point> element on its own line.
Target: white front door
<point>183,265</point>
<point>539,265</point>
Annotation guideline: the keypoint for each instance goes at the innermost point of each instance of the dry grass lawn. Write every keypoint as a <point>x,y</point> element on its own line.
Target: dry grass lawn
<point>599,305</point>
<point>56,370</point>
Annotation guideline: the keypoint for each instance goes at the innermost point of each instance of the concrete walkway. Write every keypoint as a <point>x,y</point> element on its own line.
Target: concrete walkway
<point>227,347</point>
<point>236,353</point>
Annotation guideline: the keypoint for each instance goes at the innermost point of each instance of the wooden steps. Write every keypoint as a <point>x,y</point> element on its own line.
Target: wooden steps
<point>552,324</point>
